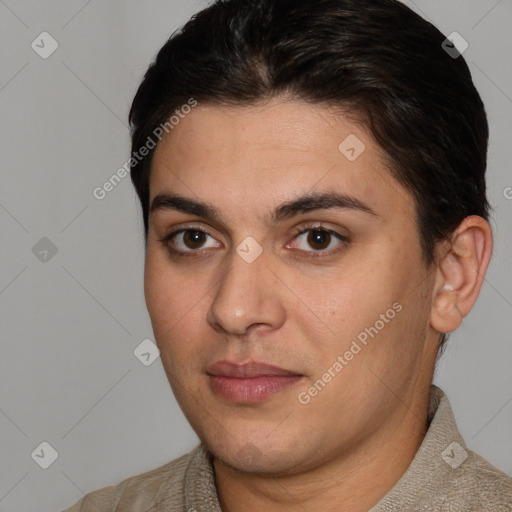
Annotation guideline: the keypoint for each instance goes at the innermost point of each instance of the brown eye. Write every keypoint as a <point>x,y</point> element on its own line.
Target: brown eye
<point>188,242</point>
<point>319,239</point>
<point>193,238</point>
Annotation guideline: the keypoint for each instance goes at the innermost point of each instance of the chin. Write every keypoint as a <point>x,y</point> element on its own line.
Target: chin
<point>254,455</point>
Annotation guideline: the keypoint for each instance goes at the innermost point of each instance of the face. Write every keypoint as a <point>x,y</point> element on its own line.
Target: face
<point>307,259</point>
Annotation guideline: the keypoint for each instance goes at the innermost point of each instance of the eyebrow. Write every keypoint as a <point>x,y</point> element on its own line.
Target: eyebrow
<point>302,204</point>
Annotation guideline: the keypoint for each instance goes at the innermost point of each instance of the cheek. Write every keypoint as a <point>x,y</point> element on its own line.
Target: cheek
<point>155,292</point>
<point>166,295</point>
<point>343,315</point>
<point>176,303</point>
<point>344,299</point>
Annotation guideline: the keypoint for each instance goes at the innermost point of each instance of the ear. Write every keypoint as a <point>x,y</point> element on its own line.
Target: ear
<point>463,261</point>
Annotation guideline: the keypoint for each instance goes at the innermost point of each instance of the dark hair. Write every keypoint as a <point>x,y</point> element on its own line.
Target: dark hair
<point>376,59</point>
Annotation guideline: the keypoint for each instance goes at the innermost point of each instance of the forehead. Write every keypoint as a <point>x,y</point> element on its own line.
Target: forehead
<point>261,155</point>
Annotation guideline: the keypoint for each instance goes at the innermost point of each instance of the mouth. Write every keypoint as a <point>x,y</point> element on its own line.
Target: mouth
<point>251,382</point>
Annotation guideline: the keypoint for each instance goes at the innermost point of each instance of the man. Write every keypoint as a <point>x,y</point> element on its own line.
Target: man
<point>316,222</point>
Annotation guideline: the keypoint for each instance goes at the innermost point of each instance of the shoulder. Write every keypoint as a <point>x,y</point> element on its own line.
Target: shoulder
<point>140,492</point>
<point>480,486</point>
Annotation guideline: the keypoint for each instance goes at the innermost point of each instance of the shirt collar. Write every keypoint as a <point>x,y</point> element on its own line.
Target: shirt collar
<point>429,476</point>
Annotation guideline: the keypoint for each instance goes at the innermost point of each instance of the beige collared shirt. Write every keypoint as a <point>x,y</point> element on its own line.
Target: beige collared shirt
<point>444,476</point>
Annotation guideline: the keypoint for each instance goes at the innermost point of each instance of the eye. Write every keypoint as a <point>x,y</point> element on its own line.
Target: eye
<point>189,241</point>
<point>186,240</point>
<point>320,239</point>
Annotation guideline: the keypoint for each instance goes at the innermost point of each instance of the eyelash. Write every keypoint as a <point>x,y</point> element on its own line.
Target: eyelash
<point>300,231</point>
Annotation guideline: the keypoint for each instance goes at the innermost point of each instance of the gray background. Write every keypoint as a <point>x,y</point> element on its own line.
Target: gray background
<point>71,320</point>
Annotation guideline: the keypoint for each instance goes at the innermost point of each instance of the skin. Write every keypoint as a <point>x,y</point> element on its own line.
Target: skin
<point>353,441</point>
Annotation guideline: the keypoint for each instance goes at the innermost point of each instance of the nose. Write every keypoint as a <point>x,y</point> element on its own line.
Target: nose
<point>248,294</point>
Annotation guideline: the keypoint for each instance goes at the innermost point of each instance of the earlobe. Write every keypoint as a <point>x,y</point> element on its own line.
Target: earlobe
<point>460,273</point>
<point>446,315</point>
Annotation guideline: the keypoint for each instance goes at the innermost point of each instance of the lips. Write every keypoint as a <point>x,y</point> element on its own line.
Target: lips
<point>250,382</point>
<point>248,370</point>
